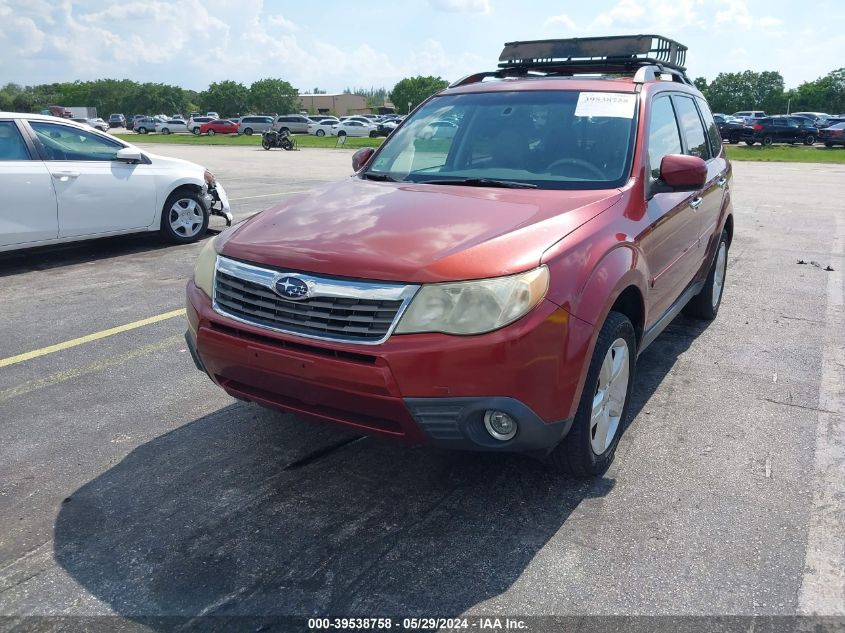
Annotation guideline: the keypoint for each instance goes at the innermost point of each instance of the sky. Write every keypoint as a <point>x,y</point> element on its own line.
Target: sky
<point>333,45</point>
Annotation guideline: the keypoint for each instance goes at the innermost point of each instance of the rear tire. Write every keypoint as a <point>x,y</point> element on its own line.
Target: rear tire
<point>827,144</point>
<point>196,131</point>
<point>248,131</point>
<point>734,139</point>
<point>184,218</point>
<point>589,447</point>
<point>165,131</point>
<point>320,132</point>
<point>373,134</point>
<point>142,130</point>
<point>265,143</point>
<point>768,140</point>
<point>749,143</point>
<point>809,140</point>
<point>211,132</point>
<point>705,305</point>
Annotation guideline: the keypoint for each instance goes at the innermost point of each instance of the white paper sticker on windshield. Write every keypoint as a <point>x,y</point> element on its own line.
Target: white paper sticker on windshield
<point>610,104</point>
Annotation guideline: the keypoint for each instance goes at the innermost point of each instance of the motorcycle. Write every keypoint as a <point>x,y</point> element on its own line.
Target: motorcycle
<point>272,138</point>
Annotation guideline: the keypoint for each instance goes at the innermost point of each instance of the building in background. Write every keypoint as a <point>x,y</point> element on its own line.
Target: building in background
<point>338,104</point>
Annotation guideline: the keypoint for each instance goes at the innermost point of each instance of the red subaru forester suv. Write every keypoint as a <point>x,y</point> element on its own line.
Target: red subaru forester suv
<point>489,288</point>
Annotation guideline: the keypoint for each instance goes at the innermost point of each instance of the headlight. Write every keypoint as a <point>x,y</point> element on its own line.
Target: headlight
<point>474,307</point>
<point>204,268</point>
<point>209,179</point>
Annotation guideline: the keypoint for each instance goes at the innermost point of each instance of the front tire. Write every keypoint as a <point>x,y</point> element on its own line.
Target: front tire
<point>768,140</point>
<point>809,140</point>
<point>211,132</point>
<point>589,447</point>
<point>248,131</point>
<point>827,144</point>
<point>749,143</point>
<point>705,305</point>
<point>142,130</point>
<point>320,132</point>
<point>184,218</point>
<point>734,139</point>
<point>196,131</point>
<point>165,131</point>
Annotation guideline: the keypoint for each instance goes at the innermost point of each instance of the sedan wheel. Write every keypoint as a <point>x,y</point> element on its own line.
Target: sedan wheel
<point>184,218</point>
<point>809,140</point>
<point>165,131</point>
<point>321,132</point>
<point>210,132</point>
<point>196,131</point>
<point>768,140</point>
<point>248,131</point>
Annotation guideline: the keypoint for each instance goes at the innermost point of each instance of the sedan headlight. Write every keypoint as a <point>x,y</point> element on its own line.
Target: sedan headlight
<point>209,179</point>
<point>204,268</point>
<point>474,307</point>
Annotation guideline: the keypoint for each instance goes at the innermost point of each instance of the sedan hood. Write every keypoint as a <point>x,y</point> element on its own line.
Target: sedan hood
<point>413,232</point>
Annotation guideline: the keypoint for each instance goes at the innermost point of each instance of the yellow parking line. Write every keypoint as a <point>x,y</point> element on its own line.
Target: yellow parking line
<point>96,336</point>
<point>76,372</point>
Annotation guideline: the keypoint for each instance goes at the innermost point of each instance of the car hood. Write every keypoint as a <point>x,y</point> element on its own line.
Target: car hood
<point>412,232</point>
<point>167,161</point>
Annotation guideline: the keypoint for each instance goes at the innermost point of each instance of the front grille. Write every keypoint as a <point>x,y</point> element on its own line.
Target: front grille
<point>351,318</point>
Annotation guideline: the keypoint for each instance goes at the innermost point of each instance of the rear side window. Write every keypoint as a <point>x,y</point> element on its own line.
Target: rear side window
<point>692,127</point>
<point>12,146</point>
<point>712,128</point>
<point>663,137</point>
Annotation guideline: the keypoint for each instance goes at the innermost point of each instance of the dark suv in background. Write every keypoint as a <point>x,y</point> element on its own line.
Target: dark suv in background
<point>117,120</point>
<point>781,129</point>
<point>731,128</point>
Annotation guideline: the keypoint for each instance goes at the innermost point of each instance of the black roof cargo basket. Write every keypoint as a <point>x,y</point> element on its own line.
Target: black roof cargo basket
<point>644,56</point>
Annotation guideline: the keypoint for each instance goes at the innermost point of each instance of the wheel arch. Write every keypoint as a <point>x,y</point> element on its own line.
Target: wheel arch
<point>183,184</point>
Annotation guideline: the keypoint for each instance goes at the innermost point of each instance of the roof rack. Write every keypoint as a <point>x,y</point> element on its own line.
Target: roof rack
<point>644,56</point>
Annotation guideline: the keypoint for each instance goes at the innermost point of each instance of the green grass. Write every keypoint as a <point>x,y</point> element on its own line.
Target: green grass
<point>788,153</point>
<point>302,140</point>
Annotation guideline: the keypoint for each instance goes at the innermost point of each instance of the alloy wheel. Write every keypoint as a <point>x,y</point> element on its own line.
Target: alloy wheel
<point>719,273</point>
<point>186,217</point>
<point>609,400</point>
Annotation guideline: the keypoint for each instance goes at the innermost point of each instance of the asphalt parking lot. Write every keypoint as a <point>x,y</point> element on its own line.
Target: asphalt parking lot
<point>132,486</point>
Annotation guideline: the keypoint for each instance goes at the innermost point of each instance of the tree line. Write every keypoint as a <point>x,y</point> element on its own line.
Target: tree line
<point>749,90</point>
<point>128,97</point>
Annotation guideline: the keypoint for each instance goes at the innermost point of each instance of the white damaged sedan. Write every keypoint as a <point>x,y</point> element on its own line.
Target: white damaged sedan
<point>64,182</point>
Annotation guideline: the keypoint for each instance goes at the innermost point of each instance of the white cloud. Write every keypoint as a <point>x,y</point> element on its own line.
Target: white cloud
<point>282,21</point>
<point>23,36</point>
<point>462,6</point>
<point>736,13</point>
<point>661,16</point>
<point>561,20</point>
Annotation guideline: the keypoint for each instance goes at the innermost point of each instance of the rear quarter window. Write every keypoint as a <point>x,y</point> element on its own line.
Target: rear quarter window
<point>692,127</point>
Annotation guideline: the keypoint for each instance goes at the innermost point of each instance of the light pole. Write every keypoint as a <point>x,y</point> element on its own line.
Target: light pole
<point>788,104</point>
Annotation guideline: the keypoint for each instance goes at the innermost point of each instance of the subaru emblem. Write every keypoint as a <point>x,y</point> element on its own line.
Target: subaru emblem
<point>292,288</point>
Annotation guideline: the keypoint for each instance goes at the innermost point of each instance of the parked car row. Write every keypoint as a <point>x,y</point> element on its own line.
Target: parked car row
<point>753,126</point>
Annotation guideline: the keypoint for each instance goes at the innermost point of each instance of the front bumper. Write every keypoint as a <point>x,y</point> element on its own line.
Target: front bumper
<point>421,389</point>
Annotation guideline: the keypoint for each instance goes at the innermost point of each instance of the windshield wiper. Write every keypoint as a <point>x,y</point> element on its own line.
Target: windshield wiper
<point>382,177</point>
<point>480,182</point>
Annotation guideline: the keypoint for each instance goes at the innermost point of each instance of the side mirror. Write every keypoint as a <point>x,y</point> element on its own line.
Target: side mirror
<point>128,155</point>
<point>679,172</point>
<point>360,158</point>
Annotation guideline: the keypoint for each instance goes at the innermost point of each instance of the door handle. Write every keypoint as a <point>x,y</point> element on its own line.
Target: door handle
<point>696,202</point>
<point>722,182</point>
<point>64,176</point>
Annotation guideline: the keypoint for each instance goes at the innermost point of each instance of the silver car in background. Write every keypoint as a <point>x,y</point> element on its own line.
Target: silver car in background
<point>250,125</point>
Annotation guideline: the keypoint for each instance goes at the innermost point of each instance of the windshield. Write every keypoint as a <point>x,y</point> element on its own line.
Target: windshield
<point>551,139</point>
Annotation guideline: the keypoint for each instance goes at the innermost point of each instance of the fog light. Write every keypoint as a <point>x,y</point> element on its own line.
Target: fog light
<point>500,425</point>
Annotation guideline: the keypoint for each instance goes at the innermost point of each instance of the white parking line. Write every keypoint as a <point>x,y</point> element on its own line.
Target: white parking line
<point>823,583</point>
